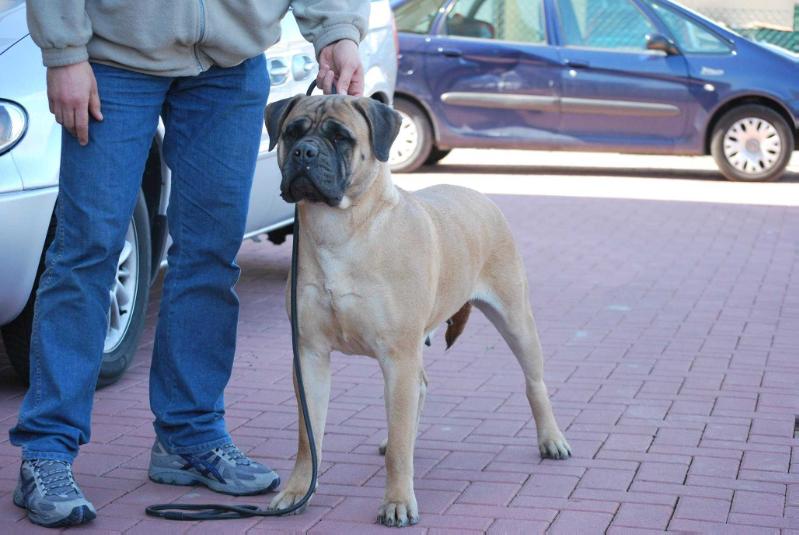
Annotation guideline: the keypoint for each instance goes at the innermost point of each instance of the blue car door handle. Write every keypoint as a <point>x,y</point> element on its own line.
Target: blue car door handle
<point>450,52</point>
<point>577,64</point>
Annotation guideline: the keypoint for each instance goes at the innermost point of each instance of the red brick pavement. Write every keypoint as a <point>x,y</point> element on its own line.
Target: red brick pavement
<point>672,339</point>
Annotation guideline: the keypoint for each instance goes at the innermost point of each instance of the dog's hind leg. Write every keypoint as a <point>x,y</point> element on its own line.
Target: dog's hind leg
<point>404,392</point>
<point>503,298</point>
<point>316,379</point>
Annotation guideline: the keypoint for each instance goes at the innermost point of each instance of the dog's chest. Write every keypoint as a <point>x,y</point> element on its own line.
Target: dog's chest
<point>338,282</point>
<point>341,291</point>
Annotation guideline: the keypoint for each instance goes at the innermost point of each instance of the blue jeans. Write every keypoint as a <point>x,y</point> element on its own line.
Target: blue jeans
<point>213,125</point>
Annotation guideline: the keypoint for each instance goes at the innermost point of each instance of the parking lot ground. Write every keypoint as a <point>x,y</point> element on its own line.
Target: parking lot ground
<point>668,305</point>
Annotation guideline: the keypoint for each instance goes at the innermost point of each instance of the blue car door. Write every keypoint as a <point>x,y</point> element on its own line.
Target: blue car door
<point>493,79</point>
<point>617,93</point>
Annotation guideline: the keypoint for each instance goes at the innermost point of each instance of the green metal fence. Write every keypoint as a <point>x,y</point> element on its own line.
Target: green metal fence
<point>761,25</point>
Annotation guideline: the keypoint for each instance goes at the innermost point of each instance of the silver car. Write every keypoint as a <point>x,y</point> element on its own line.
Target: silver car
<point>30,143</point>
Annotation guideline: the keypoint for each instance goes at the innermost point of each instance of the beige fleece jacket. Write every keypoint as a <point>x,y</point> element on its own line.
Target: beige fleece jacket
<point>182,37</point>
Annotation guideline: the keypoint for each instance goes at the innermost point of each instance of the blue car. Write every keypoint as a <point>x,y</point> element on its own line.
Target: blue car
<point>634,76</point>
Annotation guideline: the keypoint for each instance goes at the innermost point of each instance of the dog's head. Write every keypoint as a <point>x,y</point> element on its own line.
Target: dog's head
<point>329,146</point>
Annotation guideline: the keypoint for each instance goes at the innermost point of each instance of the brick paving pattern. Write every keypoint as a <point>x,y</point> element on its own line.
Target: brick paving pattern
<point>672,339</point>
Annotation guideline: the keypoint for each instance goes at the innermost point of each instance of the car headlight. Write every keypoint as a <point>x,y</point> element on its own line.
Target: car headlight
<point>302,66</point>
<point>13,123</point>
<point>278,72</point>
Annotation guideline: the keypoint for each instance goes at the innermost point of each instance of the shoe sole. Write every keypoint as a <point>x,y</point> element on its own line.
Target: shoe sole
<point>79,515</point>
<point>179,477</point>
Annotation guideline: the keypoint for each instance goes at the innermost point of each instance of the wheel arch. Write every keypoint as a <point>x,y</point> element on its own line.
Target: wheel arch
<point>430,117</point>
<point>743,100</point>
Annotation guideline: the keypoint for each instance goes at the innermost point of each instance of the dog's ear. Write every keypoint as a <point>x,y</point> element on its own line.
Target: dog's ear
<point>274,116</point>
<point>384,124</point>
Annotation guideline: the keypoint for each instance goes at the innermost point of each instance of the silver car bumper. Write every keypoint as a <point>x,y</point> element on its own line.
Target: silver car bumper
<point>24,218</point>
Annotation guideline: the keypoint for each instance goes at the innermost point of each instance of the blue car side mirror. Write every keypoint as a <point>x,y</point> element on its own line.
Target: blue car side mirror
<point>657,41</point>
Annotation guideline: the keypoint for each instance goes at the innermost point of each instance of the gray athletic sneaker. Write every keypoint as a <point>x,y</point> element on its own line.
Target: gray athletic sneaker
<point>48,491</point>
<point>224,469</point>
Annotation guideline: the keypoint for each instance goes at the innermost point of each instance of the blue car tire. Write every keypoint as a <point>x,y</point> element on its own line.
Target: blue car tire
<point>752,143</point>
<point>414,142</point>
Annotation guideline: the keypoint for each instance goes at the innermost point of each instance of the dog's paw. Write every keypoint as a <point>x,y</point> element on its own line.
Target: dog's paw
<point>554,446</point>
<point>398,514</point>
<point>286,499</point>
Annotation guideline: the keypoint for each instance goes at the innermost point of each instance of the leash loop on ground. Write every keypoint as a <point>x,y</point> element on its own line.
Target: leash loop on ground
<point>175,511</point>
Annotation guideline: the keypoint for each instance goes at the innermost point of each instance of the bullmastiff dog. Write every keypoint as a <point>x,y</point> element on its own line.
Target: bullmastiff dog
<point>380,268</point>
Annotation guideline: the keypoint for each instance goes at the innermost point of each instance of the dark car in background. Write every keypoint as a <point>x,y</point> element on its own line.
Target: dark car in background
<point>634,76</point>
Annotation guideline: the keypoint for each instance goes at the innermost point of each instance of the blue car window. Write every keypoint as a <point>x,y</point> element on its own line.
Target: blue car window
<point>610,24</point>
<point>690,36</point>
<point>416,16</point>
<point>520,21</point>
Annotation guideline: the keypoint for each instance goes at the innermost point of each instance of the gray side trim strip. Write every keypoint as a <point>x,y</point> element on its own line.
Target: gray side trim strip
<point>567,104</point>
<point>501,101</point>
<point>617,107</point>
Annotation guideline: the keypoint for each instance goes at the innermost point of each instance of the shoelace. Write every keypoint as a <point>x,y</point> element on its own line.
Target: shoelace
<point>54,477</point>
<point>231,452</point>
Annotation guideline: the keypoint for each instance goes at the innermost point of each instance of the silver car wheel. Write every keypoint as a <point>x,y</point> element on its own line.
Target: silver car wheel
<point>752,145</point>
<point>123,292</point>
<point>406,144</point>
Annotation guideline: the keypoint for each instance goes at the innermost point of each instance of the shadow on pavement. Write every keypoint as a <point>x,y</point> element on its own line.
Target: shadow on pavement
<point>622,172</point>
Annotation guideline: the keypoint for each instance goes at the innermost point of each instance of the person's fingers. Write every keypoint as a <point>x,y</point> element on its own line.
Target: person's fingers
<point>327,82</point>
<point>68,119</point>
<point>82,125</point>
<point>340,64</point>
<point>344,78</point>
<point>357,83</point>
<point>324,68</point>
<point>72,96</point>
<point>59,115</point>
<point>94,104</point>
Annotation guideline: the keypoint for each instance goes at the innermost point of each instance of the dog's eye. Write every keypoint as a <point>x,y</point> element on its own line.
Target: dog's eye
<point>292,132</point>
<point>296,128</point>
<point>338,136</point>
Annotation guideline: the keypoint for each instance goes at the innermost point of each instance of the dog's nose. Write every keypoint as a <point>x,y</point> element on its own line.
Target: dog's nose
<point>306,151</point>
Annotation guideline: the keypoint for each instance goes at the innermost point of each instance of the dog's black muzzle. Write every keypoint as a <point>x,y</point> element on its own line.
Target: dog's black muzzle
<point>312,172</point>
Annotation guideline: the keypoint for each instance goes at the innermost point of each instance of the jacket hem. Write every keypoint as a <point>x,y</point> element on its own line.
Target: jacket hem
<point>191,69</point>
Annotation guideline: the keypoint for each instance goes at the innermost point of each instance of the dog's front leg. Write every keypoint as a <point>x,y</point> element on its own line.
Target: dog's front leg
<point>404,378</point>
<point>316,378</point>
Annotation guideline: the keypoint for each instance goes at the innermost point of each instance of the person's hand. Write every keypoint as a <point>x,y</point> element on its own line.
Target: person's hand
<point>72,92</point>
<point>340,63</point>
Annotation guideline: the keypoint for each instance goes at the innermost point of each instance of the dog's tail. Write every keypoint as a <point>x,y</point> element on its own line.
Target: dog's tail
<point>456,324</point>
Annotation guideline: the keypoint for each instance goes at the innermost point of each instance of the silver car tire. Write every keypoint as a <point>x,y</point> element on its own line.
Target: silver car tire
<point>130,295</point>
<point>752,143</point>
